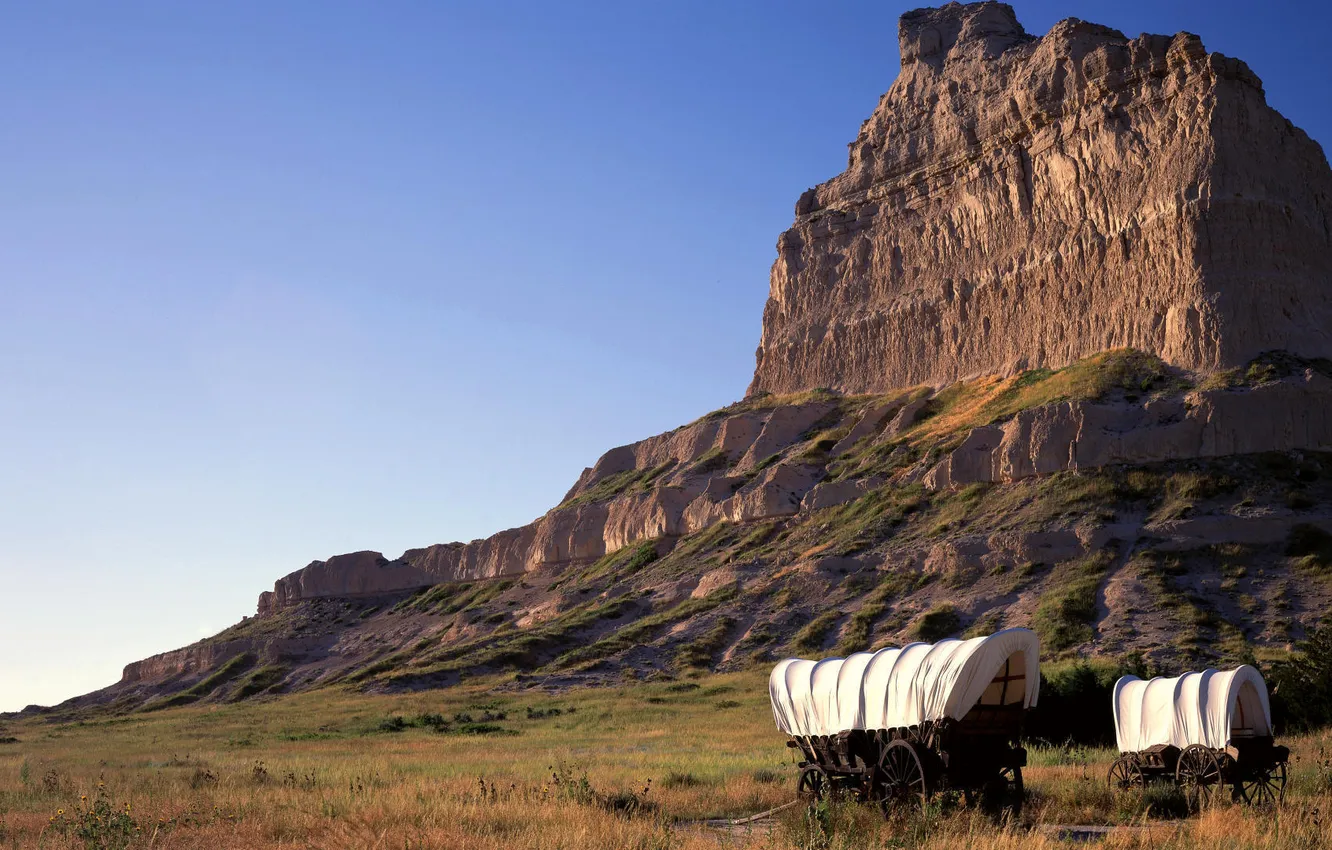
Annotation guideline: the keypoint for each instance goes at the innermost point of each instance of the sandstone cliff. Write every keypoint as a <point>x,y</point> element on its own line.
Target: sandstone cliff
<point>997,354</point>
<point>1016,202</point>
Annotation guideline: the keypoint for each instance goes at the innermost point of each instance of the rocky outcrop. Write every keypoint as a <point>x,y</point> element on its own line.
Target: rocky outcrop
<point>1016,202</point>
<point>719,468</point>
<point>759,464</point>
<point>353,574</point>
<point>1290,414</point>
<point>178,662</point>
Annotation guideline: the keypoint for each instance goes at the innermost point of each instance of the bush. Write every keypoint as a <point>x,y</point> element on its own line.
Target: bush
<point>393,724</point>
<point>810,638</point>
<point>768,776</point>
<point>1310,542</point>
<point>1072,695</point>
<point>263,679</point>
<point>642,556</point>
<point>1065,614</point>
<point>1301,686</point>
<point>699,652</point>
<point>936,624</point>
<point>675,779</point>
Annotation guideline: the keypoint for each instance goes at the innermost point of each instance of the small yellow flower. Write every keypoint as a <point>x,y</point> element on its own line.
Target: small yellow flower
<point>60,811</point>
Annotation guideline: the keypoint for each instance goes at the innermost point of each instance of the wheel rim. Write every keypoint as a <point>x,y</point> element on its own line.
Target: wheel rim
<point>1265,787</point>
<point>902,776</point>
<point>1125,774</point>
<point>813,785</point>
<point>1197,774</point>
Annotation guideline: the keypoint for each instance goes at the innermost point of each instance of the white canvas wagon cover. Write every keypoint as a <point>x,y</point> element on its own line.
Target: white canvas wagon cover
<point>895,688</point>
<point>1208,708</point>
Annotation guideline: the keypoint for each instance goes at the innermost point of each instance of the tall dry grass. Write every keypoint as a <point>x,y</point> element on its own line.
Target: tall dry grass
<point>632,767</point>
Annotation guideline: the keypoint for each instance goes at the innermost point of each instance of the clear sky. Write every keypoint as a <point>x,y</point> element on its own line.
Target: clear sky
<point>283,280</point>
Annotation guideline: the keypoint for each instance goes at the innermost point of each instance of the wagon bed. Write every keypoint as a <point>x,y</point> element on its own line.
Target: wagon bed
<point>896,726</point>
<point>1201,731</point>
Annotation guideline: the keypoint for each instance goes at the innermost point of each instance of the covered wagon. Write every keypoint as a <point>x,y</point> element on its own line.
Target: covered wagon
<point>897,725</point>
<point>1201,730</point>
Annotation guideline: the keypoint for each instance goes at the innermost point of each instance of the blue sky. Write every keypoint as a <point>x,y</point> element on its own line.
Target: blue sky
<point>284,280</point>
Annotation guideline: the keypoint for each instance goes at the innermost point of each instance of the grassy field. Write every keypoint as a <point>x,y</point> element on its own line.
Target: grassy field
<point>630,766</point>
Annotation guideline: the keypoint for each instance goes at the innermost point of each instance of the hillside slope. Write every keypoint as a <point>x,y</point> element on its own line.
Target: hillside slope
<point>1047,353</point>
<point>848,522</point>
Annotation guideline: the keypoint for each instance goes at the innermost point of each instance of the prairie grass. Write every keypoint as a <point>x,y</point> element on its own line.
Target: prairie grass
<point>634,766</point>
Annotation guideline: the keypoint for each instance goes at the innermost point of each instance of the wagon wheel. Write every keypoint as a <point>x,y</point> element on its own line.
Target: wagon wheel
<point>1125,774</point>
<point>1016,792</point>
<point>812,785</point>
<point>1005,791</point>
<point>1197,774</point>
<point>901,778</point>
<point>1265,786</point>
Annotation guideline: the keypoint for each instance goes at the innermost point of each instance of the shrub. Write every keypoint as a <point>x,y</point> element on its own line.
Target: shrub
<point>936,624</point>
<point>1070,695</point>
<point>699,652</point>
<point>642,556</point>
<point>767,776</point>
<point>263,679</point>
<point>393,724</point>
<point>675,779</point>
<point>1311,543</point>
<point>542,713</point>
<point>713,460</point>
<point>810,638</point>
<point>1301,686</point>
<point>203,778</point>
<point>1067,609</point>
<point>485,729</point>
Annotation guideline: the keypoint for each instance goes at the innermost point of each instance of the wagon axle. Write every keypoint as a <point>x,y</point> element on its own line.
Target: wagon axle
<point>897,726</point>
<point>1206,731</point>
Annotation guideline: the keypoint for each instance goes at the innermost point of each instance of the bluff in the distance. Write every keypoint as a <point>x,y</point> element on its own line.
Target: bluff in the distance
<point>1013,202</point>
<point>1016,202</point>
<point>1079,200</point>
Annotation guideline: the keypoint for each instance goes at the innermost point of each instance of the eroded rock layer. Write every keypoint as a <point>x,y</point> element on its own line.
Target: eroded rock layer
<point>1016,202</point>
<point>760,463</point>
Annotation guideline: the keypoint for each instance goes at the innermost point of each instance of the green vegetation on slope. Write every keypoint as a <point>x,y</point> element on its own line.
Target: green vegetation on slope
<point>1067,610</point>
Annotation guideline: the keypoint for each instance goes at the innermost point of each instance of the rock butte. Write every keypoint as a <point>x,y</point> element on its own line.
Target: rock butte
<point>1012,202</point>
<point>1015,202</point>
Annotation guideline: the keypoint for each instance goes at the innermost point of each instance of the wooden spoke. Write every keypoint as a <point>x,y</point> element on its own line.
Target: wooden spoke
<point>1125,774</point>
<point>1015,793</point>
<point>1265,786</point>
<point>812,785</point>
<point>1198,774</point>
<point>901,777</point>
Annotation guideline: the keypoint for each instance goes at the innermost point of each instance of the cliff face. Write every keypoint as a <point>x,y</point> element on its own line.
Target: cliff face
<point>1016,202</point>
<point>1079,200</point>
